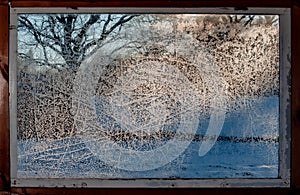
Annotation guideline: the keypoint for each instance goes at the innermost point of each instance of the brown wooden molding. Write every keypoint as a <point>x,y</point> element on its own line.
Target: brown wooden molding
<point>295,172</point>
<point>4,193</point>
<point>107,191</point>
<point>4,124</point>
<point>4,67</point>
<point>151,3</point>
<point>4,109</point>
<point>4,2</point>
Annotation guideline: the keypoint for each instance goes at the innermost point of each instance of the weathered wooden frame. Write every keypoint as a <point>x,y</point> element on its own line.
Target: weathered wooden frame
<point>284,166</point>
<point>241,4</point>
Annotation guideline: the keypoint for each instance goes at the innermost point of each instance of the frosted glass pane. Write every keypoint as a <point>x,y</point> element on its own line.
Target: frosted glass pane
<point>147,96</point>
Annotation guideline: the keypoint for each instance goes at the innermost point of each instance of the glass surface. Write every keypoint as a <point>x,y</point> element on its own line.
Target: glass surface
<point>147,96</point>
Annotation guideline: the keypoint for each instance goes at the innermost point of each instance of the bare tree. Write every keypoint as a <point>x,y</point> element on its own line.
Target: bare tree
<point>70,37</point>
<point>61,42</point>
<point>245,56</point>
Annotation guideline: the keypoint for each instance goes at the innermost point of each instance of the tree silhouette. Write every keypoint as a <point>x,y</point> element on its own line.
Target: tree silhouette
<point>68,37</point>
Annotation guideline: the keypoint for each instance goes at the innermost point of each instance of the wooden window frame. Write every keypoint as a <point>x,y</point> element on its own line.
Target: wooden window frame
<point>294,5</point>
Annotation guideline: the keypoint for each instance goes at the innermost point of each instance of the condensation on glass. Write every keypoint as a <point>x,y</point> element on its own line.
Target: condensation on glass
<point>148,96</point>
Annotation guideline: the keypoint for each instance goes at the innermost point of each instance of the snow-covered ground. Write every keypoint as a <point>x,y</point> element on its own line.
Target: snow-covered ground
<point>237,156</point>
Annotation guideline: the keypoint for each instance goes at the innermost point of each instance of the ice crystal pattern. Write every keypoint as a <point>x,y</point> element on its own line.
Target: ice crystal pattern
<point>135,104</point>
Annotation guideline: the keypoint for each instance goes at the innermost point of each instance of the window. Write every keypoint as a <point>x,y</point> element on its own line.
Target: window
<point>184,98</point>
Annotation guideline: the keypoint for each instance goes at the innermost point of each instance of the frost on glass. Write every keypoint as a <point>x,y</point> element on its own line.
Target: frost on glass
<point>147,96</point>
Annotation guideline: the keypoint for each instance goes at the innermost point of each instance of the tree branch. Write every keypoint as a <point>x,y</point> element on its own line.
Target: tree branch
<point>105,32</point>
<point>37,34</point>
<point>78,39</point>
